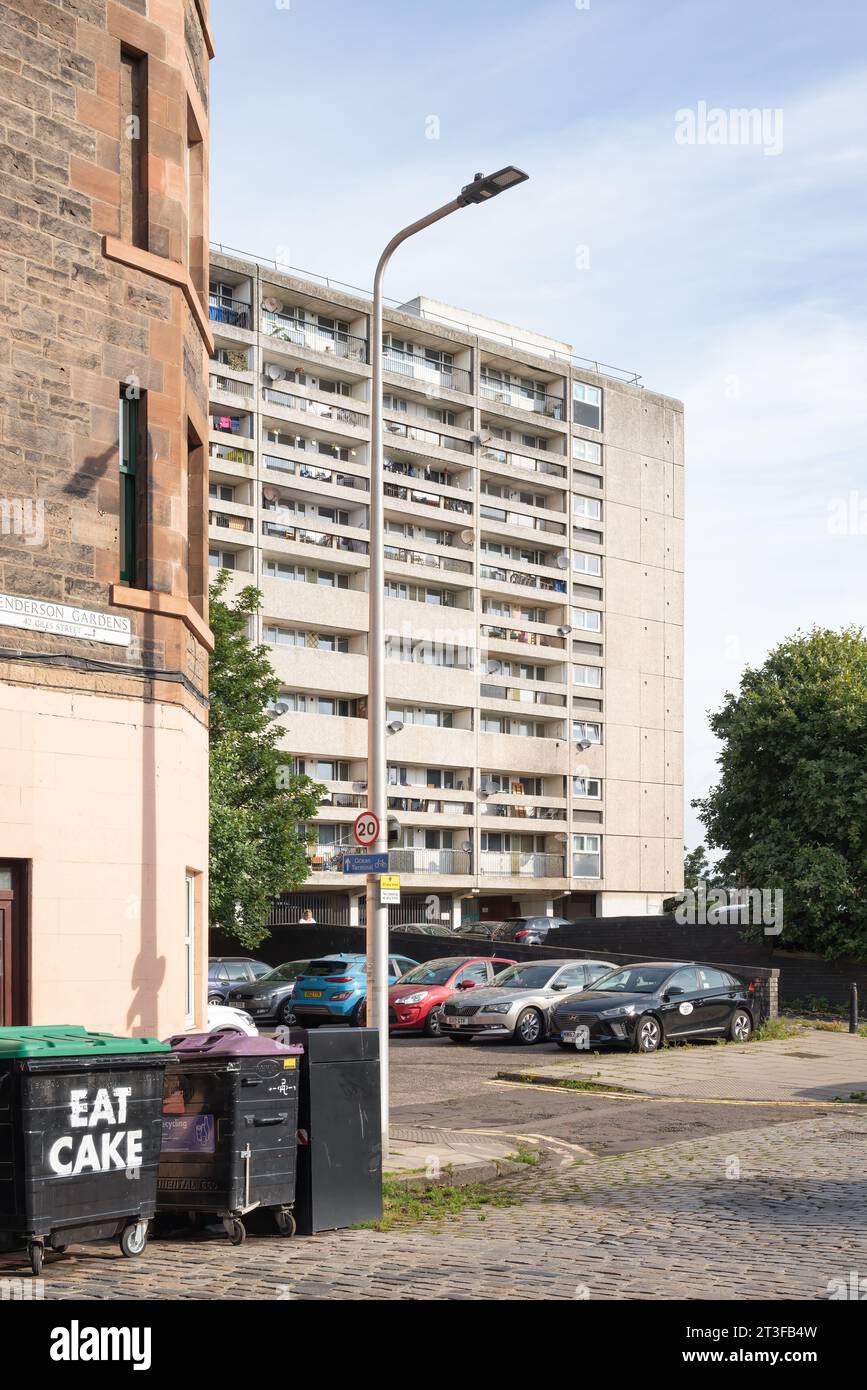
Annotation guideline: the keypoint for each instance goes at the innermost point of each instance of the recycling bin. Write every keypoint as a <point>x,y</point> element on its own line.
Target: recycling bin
<point>339,1134</point>
<point>230,1115</point>
<point>80,1126</point>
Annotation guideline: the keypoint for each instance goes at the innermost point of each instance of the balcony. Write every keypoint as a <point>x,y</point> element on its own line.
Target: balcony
<point>226,522</point>
<point>329,859</point>
<point>315,473</point>
<point>521,810</point>
<point>524,578</point>
<point>427,499</point>
<point>229,384</point>
<point>518,864</point>
<point>222,309</point>
<point>309,335</point>
<point>502,516</point>
<point>436,476</point>
<point>521,695</point>
<point>420,557</point>
<point>422,369</point>
<point>425,436</point>
<point>417,800</point>
<point>323,410</point>
<point>229,454</point>
<point>525,462</point>
<point>303,535</point>
<point>504,393</point>
<point>522,635</point>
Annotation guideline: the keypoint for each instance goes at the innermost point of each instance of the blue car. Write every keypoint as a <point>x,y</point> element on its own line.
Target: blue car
<point>334,988</point>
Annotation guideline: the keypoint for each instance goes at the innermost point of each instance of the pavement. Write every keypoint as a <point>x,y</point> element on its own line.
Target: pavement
<point>814,1066</point>
<point>637,1195</point>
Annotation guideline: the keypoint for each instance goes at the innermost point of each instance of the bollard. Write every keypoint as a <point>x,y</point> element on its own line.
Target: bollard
<point>853,1008</point>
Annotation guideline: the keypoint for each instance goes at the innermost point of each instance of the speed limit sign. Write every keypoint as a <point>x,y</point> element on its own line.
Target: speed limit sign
<point>366,828</point>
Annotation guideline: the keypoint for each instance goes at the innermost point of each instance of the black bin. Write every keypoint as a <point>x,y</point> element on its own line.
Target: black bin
<point>339,1138</point>
<point>230,1116</point>
<point>80,1122</point>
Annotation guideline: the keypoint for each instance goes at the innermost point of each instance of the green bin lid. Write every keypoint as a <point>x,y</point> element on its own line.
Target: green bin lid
<point>70,1040</point>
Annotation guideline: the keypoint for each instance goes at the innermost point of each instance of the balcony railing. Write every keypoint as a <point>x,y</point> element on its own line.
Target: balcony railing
<point>315,472</point>
<point>427,499</point>
<point>222,309</point>
<point>521,634</point>
<point>523,461</point>
<point>230,455</point>
<point>520,695</point>
<point>228,522</point>
<point>420,800</point>
<point>513,863</point>
<point>303,535</point>
<point>321,409</point>
<point>329,859</point>
<point>421,557</point>
<point>438,476</point>
<point>522,577</point>
<point>422,369</point>
<point>521,811</point>
<point>504,393</point>
<point>425,436</point>
<point>228,383</point>
<point>310,335</point>
<point>503,517</point>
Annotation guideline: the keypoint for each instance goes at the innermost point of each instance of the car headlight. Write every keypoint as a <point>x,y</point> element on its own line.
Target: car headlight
<point>495,1008</point>
<point>413,998</point>
<point>621,1011</point>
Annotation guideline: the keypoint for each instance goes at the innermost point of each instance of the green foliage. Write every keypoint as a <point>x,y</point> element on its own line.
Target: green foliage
<point>696,870</point>
<point>790,809</point>
<point>256,801</point>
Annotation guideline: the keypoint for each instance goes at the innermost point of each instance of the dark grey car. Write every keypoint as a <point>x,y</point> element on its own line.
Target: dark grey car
<point>519,1004</point>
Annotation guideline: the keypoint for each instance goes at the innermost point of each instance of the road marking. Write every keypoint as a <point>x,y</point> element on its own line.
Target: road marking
<point>532,1138</point>
<point>673,1100</point>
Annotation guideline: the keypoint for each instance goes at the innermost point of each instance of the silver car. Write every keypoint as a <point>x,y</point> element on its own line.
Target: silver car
<point>519,1005</point>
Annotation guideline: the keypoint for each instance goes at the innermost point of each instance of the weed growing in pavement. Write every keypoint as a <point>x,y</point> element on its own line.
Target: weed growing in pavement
<point>404,1205</point>
<point>777,1029</point>
<point>524,1155</point>
<point>853,1098</point>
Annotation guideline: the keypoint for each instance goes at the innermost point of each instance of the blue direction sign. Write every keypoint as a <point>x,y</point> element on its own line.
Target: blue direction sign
<point>365,863</point>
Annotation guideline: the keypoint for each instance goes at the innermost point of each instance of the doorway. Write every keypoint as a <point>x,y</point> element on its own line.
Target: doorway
<point>14,955</point>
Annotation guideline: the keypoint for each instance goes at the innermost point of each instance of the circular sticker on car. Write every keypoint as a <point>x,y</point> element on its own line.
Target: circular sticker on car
<point>685,1008</point>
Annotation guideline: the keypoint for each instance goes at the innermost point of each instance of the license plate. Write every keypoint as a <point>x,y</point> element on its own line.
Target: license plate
<point>568,1035</point>
<point>313,993</point>
<point>457,1022</point>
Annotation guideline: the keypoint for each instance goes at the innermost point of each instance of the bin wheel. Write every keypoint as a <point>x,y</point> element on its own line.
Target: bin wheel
<point>286,1223</point>
<point>36,1252</point>
<point>238,1232</point>
<point>134,1239</point>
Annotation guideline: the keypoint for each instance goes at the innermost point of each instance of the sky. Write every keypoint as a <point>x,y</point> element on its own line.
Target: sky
<point>728,272</point>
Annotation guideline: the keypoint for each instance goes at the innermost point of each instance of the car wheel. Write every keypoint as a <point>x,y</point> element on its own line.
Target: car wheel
<point>215,999</point>
<point>358,1017</point>
<point>741,1026</point>
<point>648,1034</point>
<point>528,1028</point>
<point>432,1024</point>
<point>286,1014</point>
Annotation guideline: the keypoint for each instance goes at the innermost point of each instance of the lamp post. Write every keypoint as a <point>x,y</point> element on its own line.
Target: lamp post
<point>482,188</point>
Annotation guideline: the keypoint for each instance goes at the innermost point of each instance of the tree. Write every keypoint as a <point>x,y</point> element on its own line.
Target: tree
<point>696,870</point>
<point>790,808</point>
<point>256,800</point>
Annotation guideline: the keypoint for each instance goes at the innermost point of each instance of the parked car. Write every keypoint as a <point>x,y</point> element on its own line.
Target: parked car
<point>225,973</point>
<point>271,996</point>
<point>483,930</point>
<point>415,1001</point>
<point>518,1004</point>
<point>333,988</point>
<point>529,931</point>
<point>222,1019</point>
<point>641,1006</point>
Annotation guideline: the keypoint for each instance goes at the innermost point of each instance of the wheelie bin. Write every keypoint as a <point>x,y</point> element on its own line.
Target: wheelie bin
<point>80,1125</point>
<point>230,1116</point>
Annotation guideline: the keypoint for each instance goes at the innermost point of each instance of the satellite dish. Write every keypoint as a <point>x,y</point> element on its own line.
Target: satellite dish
<point>487,786</point>
<point>562,561</point>
<point>271,494</point>
<point>272,305</point>
<point>274,373</point>
<point>467,845</point>
<point>468,535</point>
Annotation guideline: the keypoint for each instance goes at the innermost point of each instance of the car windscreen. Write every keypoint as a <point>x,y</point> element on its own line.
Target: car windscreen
<point>328,967</point>
<point>290,971</point>
<point>533,976</point>
<point>435,972</point>
<point>645,979</point>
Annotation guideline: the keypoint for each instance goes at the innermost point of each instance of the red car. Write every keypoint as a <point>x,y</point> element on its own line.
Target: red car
<point>414,1002</point>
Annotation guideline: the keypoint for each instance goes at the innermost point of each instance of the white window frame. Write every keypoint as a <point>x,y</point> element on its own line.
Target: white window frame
<point>580,672</point>
<point>190,949</point>
<point>587,451</point>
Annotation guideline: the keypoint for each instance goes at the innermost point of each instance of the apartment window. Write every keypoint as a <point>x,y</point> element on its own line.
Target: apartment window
<point>331,771</point>
<point>587,506</point>
<point>412,714</point>
<point>587,675</point>
<point>589,620</point>
<point>589,787</point>
<point>300,574</point>
<point>132,516</point>
<point>133,151</point>
<point>587,451</point>
<point>190,950</point>
<point>222,492</point>
<point>586,405</point>
<point>586,732</point>
<point>419,593</point>
<point>586,564</point>
<point>586,856</point>
<point>221,559</point>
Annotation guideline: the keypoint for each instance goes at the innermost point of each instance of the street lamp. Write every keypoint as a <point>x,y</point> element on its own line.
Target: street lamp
<point>482,188</point>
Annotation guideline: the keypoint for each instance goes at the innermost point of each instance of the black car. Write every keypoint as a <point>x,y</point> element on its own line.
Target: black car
<point>530,931</point>
<point>226,973</point>
<point>271,996</point>
<point>641,1006</point>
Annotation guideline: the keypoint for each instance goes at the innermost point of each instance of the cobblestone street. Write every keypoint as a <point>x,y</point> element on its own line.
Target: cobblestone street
<point>664,1222</point>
